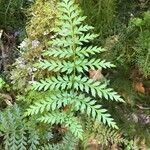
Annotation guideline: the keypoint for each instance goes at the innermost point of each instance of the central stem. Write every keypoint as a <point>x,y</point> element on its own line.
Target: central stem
<point>73,48</point>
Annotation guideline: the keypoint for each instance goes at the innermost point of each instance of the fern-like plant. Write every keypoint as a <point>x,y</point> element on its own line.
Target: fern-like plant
<point>103,135</point>
<point>143,43</point>
<point>70,89</point>
<point>16,133</point>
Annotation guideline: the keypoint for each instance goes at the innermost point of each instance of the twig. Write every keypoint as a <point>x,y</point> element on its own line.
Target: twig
<point>144,108</point>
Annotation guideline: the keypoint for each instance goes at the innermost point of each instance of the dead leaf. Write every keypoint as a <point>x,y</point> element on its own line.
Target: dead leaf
<point>93,144</point>
<point>138,86</point>
<point>62,129</point>
<point>143,145</point>
<point>96,74</point>
<point>7,98</point>
<point>114,147</point>
<point>66,108</point>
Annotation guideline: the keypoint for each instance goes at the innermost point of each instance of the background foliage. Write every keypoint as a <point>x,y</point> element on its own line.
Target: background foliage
<point>123,26</point>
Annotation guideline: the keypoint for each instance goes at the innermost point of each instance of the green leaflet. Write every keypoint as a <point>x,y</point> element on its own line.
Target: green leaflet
<point>53,102</point>
<point>68,67</point>
<point>83,84</point>
<point>80,103</point>
<point>69,120</point>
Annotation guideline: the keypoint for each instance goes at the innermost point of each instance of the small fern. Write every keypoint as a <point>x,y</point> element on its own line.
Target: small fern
<point>103,135</point>
<point>142,42</point>
<point>15,131</point>
<point>70,89</point>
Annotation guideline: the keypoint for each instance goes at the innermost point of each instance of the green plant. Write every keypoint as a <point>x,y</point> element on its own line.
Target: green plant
<point>12,14</point>
<point>2,83</point>
<point>4,86</point>
<point>134,45</point>
<point>101,15</point>
<point>143,43</point>
<point>70,90</point>
<point>16,133</point>
<point>103,135</point>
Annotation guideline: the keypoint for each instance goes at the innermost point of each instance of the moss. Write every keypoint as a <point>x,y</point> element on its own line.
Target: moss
<point>42,18</point>
<point>42,21</point>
